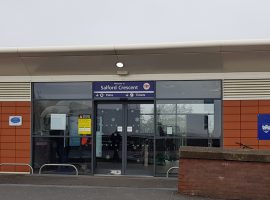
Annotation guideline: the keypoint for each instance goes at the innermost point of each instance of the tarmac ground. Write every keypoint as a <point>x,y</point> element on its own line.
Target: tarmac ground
<point>48,187</point>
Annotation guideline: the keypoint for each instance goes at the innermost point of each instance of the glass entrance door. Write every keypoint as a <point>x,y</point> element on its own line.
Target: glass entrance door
<point>140,139</point>
<point>124,138</point>
<point>109,139</point>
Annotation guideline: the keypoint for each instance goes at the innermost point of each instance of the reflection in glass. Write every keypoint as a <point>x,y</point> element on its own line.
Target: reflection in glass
<point>186,118</point>
<point>188,89</point>
<point>166,108</point>
<point>140,139</point>
<point>167,154</point>
<point>195,108</point>
<point>43,110</point>
<point>184,123</point>
<point>71,90</point>
<point>75,150</point>
<point>109,138</point>
<point>141,118</point>
<point>165,123</point>
<point>61,146</point>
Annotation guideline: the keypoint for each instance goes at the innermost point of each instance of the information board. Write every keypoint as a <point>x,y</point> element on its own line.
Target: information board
<point>84,125</point>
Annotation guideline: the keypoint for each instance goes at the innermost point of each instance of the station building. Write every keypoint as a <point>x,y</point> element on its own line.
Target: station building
<point>75,106</point>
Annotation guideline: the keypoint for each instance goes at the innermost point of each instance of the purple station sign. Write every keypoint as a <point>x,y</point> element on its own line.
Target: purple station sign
<point>124,89</point>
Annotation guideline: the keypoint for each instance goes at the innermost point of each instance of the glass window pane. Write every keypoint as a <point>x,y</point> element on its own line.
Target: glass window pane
<point>76,151</point>
<point>166,108</point>
<point>167,155</point>
<point>72,109</point>
<point>146,124</point>
<point>195,108</point>
<point>188,118</point>
<point>182,125</point>
<point>216,143</point>
<point>79,90</point>
<point>145,108</point>
<point>166,125</point>
<point>197,142</point>
<point>188,89</point>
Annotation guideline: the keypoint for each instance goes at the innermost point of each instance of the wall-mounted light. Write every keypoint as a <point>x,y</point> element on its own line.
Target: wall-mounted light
<point>119,64</point>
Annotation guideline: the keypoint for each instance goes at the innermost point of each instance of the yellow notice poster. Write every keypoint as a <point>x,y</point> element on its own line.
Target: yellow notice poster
<point>84,125</point>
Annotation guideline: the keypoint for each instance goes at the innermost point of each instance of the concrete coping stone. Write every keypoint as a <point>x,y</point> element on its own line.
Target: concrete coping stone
<point>214,153</point>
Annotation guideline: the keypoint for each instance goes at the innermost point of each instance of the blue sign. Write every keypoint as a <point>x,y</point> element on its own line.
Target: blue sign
<point>15,120</point>
<point>264,126</point>
<point>124,89</point>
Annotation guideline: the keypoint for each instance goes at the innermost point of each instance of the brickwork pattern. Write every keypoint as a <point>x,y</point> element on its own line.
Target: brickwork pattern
<point>15,141</point>
<point>223,179</point>
<point>240,123</point>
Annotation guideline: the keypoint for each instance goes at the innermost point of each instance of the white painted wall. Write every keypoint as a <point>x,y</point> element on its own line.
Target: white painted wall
<point>32,23</point>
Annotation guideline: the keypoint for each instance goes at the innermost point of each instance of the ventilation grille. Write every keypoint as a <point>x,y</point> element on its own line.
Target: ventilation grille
<point>15,91</point>
<point>246,89</point>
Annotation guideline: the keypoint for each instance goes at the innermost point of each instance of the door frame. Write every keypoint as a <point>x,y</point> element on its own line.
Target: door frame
<point>124,132</point>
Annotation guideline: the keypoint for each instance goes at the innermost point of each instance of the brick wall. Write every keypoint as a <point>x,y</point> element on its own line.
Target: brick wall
<point>223,179</point>
<point>15,141</point>
<point>240,123</point>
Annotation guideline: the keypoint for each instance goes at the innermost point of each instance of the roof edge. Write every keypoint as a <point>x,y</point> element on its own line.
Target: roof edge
<point>142,46</point>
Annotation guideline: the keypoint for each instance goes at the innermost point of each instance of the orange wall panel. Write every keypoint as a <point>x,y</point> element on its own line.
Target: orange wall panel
<point>248,125</point>
<point>8,132</point>
<point>231,133</point>
<point>231,103</point>
<point>264,109</point>
<point>21,132</point>
<point>249,110</point>
<point>231,111</point>
<point>231,141</point>
<point>231,118</point>
<point>264,142</point>
<point>8,110</point>
<point>249,118</point>
<point>264,102</point>
<point>249,141</point>
<point>231,125</point>
<point>249,103</point>
<point>247,131</point>
<point>7,146</point>
<point>15,141</point>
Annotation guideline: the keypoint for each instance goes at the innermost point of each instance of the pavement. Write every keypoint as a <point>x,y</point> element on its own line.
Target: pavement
<point>49,187</point>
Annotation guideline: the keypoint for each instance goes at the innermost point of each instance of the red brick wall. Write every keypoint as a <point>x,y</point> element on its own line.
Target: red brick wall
<point>223,179</point>
<point>240,123</point>
<point>15,141</point>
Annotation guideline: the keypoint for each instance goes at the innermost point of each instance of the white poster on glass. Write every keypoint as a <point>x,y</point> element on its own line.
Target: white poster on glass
<point>58,122</point>
<point>169,130</point>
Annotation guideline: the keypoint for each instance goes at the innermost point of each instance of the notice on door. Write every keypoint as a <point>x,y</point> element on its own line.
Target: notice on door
<point>84,125</point>
<point>58,121</point>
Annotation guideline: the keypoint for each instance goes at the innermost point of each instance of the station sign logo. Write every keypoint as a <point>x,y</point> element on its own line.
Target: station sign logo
<point>266,128</point>
<point>146,86</point>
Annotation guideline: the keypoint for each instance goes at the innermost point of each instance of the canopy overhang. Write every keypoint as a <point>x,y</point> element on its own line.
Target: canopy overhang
<point>194,57</point>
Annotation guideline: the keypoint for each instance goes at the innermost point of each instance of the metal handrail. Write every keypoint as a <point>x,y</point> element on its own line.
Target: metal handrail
<point>170,170</point>
<point>19,164</point>
<point>54,164</point>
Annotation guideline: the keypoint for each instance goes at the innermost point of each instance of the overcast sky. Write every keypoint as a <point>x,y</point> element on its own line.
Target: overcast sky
<point>26,23</point>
